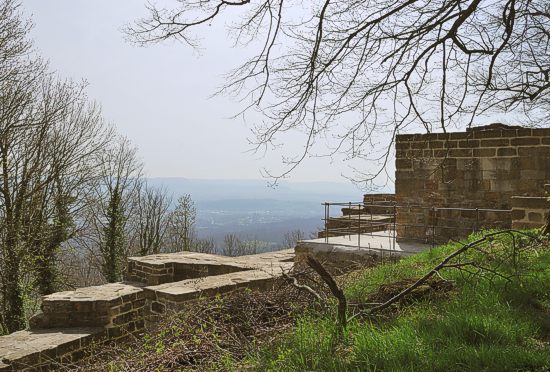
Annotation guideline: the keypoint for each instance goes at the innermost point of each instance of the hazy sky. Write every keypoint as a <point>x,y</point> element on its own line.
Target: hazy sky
<point>158,96</point>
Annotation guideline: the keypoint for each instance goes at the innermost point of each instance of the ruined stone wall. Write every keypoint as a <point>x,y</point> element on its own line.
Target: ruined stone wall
<point>70,321</point>
<point>480,168</point>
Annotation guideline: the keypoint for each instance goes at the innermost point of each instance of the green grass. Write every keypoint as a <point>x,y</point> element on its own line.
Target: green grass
<point>484,323</point>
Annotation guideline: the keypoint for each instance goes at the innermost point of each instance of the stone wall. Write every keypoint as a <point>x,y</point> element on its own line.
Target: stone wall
<point>529,212</point>
<point>154,271</point>
<point>379,203</point>
<point>480,168</point>
<point>70,321</point>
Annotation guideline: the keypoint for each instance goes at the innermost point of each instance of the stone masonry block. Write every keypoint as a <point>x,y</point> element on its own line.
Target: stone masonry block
<point>485,152</point>
<point>524,132</point>
<point>419,145</point>
<point>543,132</point>
<point>506,151</point>
<point>528,202</point>
<point>436,144</point>
<point>535,217</point>
<point>460,135</point>
<point>461,153</point>
<point>449,144</point>
<point>402,145</point>
<point>525,141</point>
<point>469,143</point>
<point>496,142</point>
<point>518,214</point>
<point>487,134</point>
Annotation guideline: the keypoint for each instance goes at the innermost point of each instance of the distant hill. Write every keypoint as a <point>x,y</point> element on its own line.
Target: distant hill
<point>253,210</point>
<point>212,190</point>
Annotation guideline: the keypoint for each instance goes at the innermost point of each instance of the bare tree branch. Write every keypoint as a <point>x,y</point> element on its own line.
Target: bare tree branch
<point>348,76</point>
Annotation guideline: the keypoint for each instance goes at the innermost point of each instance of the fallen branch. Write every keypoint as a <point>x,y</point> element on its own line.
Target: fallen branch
<point>334,288</point>
<point>443,264</point>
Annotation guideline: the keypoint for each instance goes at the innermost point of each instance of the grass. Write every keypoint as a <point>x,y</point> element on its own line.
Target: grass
<point>486,322</point>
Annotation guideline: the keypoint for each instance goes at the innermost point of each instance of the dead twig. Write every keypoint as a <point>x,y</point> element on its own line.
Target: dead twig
<point>304,287</point>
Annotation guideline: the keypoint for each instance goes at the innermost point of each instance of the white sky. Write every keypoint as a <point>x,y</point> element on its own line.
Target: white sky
<point>159,96</point>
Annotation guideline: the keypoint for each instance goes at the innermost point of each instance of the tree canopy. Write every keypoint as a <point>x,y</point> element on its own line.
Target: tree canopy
<point>359,72</point>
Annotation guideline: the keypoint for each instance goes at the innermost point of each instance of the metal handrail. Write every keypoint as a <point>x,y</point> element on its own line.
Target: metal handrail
<point>373,226</point>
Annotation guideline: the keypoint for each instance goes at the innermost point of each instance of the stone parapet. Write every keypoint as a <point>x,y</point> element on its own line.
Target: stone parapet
<point>171,297</point>
<point>166,268</point>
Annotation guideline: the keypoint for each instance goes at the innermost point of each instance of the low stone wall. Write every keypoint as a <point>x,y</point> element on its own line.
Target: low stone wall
<point>165,268</point>
<point>117,307</point>
<point>529,212</point>
<point>172,297</point>
<point>71,320</point>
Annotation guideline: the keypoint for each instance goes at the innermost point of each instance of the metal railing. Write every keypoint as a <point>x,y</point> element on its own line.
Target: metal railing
<point>423,224</point>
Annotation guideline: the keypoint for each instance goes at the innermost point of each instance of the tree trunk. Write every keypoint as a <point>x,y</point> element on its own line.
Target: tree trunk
<point>14,312</point>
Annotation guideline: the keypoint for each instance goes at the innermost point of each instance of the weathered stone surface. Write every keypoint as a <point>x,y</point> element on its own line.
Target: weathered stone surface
<point>529,202</point>
<point>186,290</point>
<point>170,267</point>
<point>34,349</point>
<point>111,292</point>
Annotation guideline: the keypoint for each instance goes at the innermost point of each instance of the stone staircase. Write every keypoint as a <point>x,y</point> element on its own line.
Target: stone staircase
<point>376,213</point>
<point>70,321</point>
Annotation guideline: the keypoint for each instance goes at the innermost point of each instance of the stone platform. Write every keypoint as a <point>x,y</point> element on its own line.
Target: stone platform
<point>340,251</point>
<point>155,284</point>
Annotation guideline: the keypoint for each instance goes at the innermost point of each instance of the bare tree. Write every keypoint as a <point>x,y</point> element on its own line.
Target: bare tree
<point>49,133</point>
<point>231,244</point>
<point>204,245</point>
<point>151,219</point>
<point>119,178</point>
<point>19,77</point>
<point>357,72</point>
<point>182,224</point>
<point>291,238</point>
<point>234,246</point>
